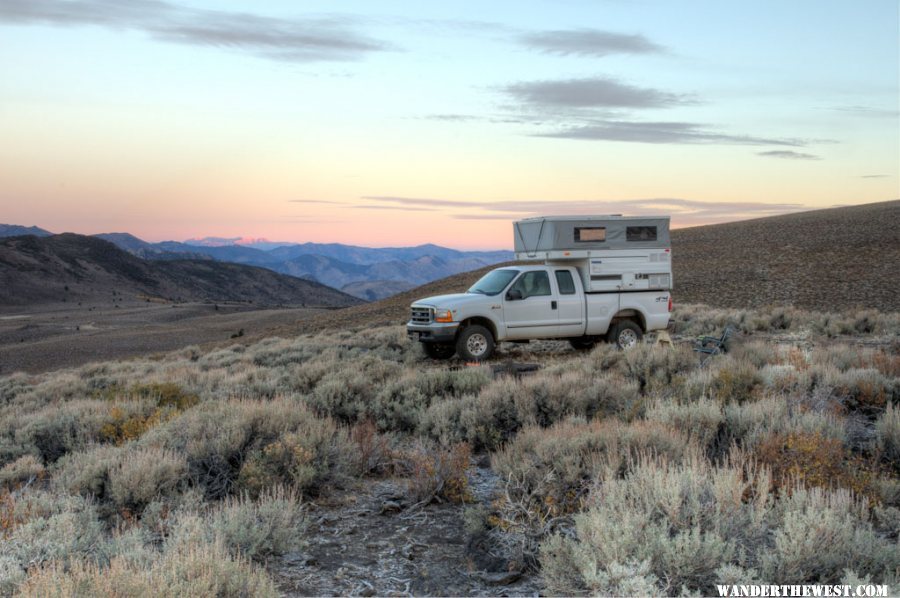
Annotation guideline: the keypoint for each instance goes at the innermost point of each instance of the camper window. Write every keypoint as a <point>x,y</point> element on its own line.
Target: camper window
<point>640,233</point>
<point>587,234</point>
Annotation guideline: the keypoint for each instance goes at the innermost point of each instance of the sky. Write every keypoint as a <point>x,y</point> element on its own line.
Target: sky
<point>395,123</point>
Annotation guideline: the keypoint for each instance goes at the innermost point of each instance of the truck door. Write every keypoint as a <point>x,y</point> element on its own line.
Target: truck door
<point>530,307</point>
<point>571,304</point>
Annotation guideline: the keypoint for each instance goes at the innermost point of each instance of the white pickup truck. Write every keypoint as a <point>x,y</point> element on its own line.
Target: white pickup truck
<point>603,277</point>
<point>520,303</point>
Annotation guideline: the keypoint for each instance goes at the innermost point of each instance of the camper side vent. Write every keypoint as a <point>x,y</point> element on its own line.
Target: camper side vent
<point>659,280</point>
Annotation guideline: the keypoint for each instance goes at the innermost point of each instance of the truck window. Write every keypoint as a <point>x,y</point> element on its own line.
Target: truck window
<point>588,234</point>
<point>493,282</point>
<point>565,282</point>
<point>640,233</point>
<point>533,284</point>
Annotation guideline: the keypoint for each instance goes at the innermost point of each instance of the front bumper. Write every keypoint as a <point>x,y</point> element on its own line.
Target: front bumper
<point>436,332</point>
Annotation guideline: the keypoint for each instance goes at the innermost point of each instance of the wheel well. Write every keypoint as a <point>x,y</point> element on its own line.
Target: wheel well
<point>481,322</point>
<point>630,314</point>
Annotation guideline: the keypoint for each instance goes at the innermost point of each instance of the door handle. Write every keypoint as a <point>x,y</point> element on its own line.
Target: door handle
<point>553,305</point>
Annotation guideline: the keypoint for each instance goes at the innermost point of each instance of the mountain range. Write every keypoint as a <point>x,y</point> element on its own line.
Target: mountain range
<point>369,273</point>
<point>77,268</point>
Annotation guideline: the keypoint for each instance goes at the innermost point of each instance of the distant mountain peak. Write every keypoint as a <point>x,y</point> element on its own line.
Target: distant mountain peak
<point>252,242</point>
<point>215,241</point>
<point>16,230</point>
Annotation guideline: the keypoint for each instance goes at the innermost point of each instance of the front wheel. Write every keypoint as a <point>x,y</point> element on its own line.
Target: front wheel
<point>625,334</point>
<point>439,350</point>
<point>475,343</point>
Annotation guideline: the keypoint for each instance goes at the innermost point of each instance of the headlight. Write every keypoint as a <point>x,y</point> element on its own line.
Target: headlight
<point>443,315</point>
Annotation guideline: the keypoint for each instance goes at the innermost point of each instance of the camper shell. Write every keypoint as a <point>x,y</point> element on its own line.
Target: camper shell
<point>611,253</point>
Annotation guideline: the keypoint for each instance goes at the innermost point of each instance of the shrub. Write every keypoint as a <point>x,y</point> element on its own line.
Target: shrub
<point>654,367</point>
<point>342,395</point>
<point>69,533</point>
<point>668,524</point>
<point>700,420</point>
<point>434,472</point>
<point>144,475</point>
<point>398,406</point>
<point>735,381</point>
<point>864,390</point>
<point>887,434</point>
<point>820,534</point>
<point>814,459</point>
<point>552,468</point>
<point>217,438</point>
<point>491,418</point>
<point>195,570</point>
<point>688,526</point>
<point>23,470</point>
<point>271,525</point>
<point>59,429</point>
<point>751,423</point>
<point>374,453</point>
<point>302,460</point>
<point>86,473</point>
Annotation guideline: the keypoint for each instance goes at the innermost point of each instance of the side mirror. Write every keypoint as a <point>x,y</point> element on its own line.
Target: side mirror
<point>514,294</point>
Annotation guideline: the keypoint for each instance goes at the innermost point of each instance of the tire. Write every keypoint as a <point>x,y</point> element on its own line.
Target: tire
<point>439,350</point>
<point>625,334</point>
<point>475,343</point>
<point>583,343</point>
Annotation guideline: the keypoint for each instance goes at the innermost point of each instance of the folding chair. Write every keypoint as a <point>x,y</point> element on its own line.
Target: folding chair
<point>712,345</point>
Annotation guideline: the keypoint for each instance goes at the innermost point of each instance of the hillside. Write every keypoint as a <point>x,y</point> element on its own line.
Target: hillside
<point>15,230</point>
<point>71,267</point>
<point>826,260</point>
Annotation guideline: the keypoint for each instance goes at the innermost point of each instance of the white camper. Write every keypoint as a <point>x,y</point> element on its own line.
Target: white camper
<point>611,253</point>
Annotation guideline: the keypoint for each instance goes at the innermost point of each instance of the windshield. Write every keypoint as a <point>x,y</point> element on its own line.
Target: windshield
<point>493,282</point>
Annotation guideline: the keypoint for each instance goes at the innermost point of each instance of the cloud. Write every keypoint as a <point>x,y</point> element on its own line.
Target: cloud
<point>599,109</point>
<point>588,42</point>
<point>868,111</point>
<point>509,217</point>
<point>659,132</point>
<point>683,211</point>
<point>596,92</point>
<point>789,155</point>
<point>874,176</point>
<point>415,201</point>
<point>453,117</point>
<point>396,208</point>
<point>300,40</point>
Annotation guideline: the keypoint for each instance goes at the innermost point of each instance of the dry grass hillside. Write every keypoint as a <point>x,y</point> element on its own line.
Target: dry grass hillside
<point>827,260</point>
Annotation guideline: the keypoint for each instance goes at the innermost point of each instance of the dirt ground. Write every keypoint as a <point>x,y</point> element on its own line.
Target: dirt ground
<point>67,335</point>
<point>370,541</point>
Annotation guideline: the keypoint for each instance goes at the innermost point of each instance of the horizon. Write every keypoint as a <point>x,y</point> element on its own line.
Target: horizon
<point>378,127</point>
<point>249,241</point>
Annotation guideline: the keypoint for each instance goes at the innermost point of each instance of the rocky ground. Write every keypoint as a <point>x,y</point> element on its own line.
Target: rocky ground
<point>370,541</point>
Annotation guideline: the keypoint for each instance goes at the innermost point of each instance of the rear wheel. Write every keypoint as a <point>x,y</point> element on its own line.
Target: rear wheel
<point>583,343</point>
<point>475,343</point>
<point>439,350</point>
<point>626,334</point>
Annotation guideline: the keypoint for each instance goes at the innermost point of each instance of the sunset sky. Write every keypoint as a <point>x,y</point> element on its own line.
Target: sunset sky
<point>390,123</point>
